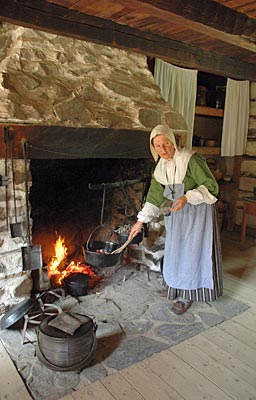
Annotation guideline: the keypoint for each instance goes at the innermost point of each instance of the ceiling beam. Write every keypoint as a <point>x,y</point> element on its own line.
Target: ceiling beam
<point>204,16</point>
<point>48,17</point>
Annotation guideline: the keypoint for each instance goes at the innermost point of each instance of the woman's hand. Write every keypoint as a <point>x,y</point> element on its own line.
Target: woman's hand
<point>135,229</point>
<point>179,204</point>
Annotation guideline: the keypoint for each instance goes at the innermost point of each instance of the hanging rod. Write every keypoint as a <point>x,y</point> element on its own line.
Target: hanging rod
<point>117,184</point>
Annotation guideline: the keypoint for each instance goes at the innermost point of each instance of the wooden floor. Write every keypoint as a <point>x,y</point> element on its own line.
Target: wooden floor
<point>219,363</point>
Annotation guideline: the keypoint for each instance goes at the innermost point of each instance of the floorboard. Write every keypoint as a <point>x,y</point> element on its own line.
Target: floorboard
<point>232,345</point>
<point>239,332</point>
<point>11,384</point>
<point>120,388</point>
<point>244,291</point>
<point>95,391</point>
<point>239,368</point>
<point>224,379</point>
<point>148,383</point>
<point>186,380</point>
<point>247,319</point>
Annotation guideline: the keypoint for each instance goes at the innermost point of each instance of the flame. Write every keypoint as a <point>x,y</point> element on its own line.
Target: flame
<point>57,263</point>
<point>61,252</point>
<point>74,268</point>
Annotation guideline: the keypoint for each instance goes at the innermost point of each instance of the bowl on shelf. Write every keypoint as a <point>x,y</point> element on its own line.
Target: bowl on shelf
<point>227,178</point>
<point>210,142</point>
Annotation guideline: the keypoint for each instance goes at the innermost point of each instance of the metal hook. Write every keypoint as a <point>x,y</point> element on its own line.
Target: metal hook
<point>24,145</point>
<point>6,139</point>
<point>125,191</point>
<point>103,203</point>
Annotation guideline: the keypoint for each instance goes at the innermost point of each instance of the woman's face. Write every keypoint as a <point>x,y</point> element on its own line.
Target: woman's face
<point>163,147</point>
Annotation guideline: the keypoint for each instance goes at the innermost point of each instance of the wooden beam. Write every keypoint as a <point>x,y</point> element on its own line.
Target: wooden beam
<point>62,21</point>
<point>204,16</point>
<point>59,142</point>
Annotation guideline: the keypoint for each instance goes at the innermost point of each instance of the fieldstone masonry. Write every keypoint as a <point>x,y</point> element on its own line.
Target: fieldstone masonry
<point>11,267</point>
<point>53,80</point>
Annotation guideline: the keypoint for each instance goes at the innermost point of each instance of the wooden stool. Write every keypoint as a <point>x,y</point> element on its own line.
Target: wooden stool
<point>249,209</point>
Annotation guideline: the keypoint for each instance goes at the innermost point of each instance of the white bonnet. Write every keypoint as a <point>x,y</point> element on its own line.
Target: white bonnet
<point>161,130</point>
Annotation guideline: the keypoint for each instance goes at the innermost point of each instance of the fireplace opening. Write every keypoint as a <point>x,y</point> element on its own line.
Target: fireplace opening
<point>63,204</point>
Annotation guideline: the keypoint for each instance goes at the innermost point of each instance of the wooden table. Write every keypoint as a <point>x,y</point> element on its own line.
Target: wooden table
<point>249,209</point>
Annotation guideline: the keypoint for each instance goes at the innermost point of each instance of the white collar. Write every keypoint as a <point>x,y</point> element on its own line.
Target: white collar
<point>166,169</point>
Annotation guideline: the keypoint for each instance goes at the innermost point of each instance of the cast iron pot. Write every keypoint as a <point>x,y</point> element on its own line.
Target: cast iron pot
<point>76,284</point>
<point>98,259</point>
<point>123,237</point>
<point>61,351</point>
<point>123,234</point>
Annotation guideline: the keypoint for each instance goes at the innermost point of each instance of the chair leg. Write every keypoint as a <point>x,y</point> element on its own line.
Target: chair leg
<point>243,229</point>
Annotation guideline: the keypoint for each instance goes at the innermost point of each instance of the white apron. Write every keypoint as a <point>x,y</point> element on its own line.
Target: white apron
<point>188,246</point>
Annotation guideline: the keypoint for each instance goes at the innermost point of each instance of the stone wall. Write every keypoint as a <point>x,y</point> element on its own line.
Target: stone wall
<point>11,266</point>
<point>53,80</point>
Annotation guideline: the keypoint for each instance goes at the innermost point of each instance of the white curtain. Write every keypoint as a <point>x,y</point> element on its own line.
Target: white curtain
<point>178,87</point>
<point>236,118</point>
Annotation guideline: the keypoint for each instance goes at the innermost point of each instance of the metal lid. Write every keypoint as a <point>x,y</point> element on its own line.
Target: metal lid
<point>16,313</point>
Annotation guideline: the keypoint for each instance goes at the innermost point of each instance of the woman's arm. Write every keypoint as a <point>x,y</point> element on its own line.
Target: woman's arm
<point>200,184</point>
<point>150,210</point>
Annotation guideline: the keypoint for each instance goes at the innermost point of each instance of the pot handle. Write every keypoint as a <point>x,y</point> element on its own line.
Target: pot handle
<point>95,230</point>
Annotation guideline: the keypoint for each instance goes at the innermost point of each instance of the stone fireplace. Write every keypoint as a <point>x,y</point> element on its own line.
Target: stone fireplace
<point>85,112</point>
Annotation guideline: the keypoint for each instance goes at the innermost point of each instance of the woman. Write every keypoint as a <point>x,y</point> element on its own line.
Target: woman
<point>192,260</point>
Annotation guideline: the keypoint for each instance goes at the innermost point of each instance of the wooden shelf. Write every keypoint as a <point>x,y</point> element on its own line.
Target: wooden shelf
<point>209,111</point>
<point>207,150</point>
<point>230,184</point>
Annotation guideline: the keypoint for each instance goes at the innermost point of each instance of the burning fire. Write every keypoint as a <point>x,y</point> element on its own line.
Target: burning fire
<point>58,268</point>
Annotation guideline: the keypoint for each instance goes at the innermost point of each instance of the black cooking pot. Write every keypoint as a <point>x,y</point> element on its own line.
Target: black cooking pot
<point>123,237</point>
<point>76,284</point>
<point>97,253</point>
<point>136,240</point>
<point>123,234</point>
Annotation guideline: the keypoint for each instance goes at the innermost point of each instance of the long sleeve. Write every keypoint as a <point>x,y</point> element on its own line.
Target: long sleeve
<point>148,212</point>
<point>154,200</point>
<point>156,193</point>
<point>200,184</point>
